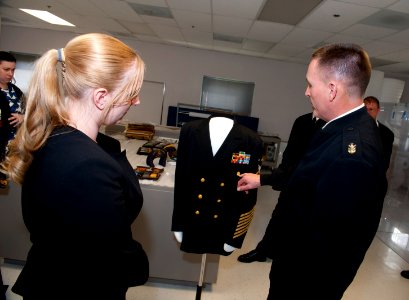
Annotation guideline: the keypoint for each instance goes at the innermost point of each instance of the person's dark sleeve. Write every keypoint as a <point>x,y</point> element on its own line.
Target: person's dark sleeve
<point>296,146</point>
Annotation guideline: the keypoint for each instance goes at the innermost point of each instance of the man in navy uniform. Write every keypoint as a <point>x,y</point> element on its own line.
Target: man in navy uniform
<point>330,208</point>
<point>302,131</point>
<point>387,136</point>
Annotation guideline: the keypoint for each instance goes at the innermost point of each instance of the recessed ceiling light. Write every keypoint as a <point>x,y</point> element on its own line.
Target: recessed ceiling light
<point>47,16</point>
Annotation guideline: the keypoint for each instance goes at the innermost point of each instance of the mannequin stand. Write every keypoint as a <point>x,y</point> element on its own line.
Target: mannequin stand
<point>201,277</point>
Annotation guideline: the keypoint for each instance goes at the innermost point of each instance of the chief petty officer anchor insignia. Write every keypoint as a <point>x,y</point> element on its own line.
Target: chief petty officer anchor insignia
<point>352,148</point>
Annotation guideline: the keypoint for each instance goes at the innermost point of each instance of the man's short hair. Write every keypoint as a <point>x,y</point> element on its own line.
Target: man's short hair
<point>372,99</point>
<point>7,56</point>
<point>348,62</point>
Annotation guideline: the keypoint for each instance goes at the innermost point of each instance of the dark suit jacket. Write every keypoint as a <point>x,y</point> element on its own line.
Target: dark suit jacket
<point>329,213</point>
<point>78,204</point>
<point>387,138</point>
<point>303,129</point>
<point>207,207</point>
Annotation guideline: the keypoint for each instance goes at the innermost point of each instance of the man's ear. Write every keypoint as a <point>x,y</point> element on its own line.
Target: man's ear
<point>332,91</point>
<point>99,96</point>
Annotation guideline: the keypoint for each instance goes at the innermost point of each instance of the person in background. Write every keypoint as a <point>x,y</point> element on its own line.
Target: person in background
<point>11,116</point>
<point>11,106</point>
<point>302,131</point>
<point>387,136</point>
<point>79,193</point>
<point>330,209</point>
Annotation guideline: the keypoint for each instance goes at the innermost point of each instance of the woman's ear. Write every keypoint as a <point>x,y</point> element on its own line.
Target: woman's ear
<point>99,97</point>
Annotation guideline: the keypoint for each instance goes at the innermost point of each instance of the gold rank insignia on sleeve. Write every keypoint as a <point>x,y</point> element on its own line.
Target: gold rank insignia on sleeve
<point>244,223</point>
<point>352,148</point>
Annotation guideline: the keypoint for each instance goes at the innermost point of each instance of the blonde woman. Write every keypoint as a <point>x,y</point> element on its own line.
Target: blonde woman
<point>79,192</point>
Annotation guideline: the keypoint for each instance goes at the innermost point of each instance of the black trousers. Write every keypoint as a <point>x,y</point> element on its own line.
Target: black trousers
<point>292,279</point>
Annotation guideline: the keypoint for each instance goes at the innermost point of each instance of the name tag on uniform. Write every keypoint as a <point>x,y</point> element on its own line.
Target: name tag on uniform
<point>240,158</point>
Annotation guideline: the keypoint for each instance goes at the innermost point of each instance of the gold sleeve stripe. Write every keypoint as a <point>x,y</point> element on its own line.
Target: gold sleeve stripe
<point>241,232</point>
<point>239,226</point>
<point>244,223</point>
<point>250,217</point>
<point>247,213</point>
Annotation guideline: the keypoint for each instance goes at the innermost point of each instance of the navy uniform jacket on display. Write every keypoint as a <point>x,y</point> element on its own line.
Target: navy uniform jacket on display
<point>330,210</point>
<point>207,207</point>
<point>387,138</point>
<point>79,199</point>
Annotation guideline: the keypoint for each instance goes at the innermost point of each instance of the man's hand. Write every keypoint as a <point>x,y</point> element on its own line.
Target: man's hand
<point>16,119</point>
<point>248,181</point>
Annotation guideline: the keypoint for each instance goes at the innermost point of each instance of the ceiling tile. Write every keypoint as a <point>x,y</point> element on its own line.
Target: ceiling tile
<point>194,20</point>
<point>377,48</point>
<point>231,26</point>
<point>30,4</point>
<point>378,62</point>
<point>137,28</point>
<point>167,33</point>
<point>268,32</point>
<point>257,46</point>
<point>286,50</point>
<point>21,17</point>
<point>289,12</point>
<point>97,24</point>
<point>84,7</point>
<point>323,18</point>
<point>344,38</point>
<point>120,10</point>
<point>372,3</point>
<point>226,46</point>
<point>398,56</point>
<point>149,2</point>
<point>149,38</point>
<point>402,68</point>
<point>302,37</point>
<point>202,6</point>
<point>368,31</point>
<point>388,19</point>
<point>198,37</point>
<point>237,8</point>
<point>401,6</point>
<point>401,37</point>
<point>160,21</point>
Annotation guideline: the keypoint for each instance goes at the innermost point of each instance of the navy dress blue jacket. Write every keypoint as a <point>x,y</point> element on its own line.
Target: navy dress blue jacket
<point>207,207</point>
<point>79,199</point>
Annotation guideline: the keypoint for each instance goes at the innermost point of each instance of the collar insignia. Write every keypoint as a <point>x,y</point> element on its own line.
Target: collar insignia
<point>352,148</point>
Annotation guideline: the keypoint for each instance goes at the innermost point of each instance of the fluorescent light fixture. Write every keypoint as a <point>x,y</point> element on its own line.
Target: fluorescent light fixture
<point>47,16</point>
